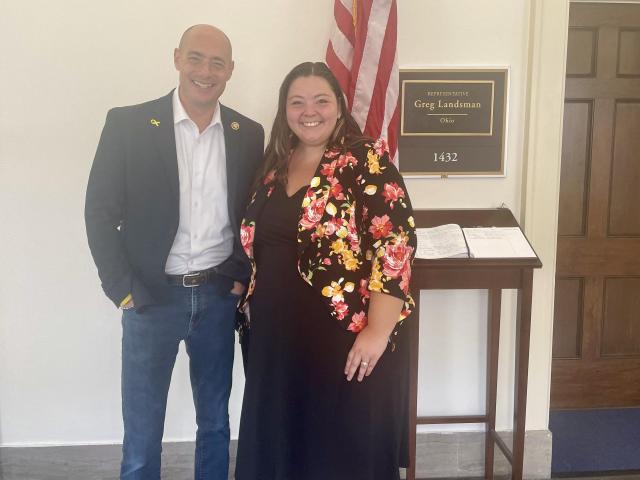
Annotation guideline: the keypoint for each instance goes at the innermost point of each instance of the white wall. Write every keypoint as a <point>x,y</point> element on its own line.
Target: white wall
<point>64,64</point>
<point>453,324</point>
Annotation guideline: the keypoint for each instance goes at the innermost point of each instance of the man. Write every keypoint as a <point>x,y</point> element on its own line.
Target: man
<point>166,194</point>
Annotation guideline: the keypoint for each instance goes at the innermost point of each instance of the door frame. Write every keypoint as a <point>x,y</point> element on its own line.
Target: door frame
<point>548,32</point>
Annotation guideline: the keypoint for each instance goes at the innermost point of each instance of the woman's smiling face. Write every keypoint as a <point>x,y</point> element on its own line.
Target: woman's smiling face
<point>312,110</point>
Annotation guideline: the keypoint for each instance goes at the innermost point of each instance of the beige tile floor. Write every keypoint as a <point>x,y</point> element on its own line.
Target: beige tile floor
<point>86,463</point>
<point>102,463</point>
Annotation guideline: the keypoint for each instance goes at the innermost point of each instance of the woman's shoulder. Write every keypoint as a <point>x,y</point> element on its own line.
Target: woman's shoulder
<point>369,156</point>
<point>366,146</point>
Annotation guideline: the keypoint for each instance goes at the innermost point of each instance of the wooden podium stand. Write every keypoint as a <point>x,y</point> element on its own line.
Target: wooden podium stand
<point>493,275</point>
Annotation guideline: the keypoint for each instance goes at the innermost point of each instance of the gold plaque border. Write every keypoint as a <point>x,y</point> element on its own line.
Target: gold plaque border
<point>490,173</point>
<point>457,134</point>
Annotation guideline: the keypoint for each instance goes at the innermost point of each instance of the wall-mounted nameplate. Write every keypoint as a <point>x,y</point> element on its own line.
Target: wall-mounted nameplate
<point>452,122</point>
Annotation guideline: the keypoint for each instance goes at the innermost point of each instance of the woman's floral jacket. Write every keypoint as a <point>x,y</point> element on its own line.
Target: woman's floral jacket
<point>356,232</point>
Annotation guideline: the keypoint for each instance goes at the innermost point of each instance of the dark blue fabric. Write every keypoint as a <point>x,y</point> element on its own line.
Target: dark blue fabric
<point>595,440</point>
<point>204,318</point>
<point>132,202</point>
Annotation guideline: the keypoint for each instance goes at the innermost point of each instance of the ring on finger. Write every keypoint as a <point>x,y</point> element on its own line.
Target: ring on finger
<point>364,364</point>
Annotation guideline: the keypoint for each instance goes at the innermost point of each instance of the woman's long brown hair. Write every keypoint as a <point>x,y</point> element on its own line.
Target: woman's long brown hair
<point>282,139</point>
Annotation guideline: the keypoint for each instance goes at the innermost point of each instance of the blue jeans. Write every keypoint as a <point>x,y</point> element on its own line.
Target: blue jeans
<point>204,318</point>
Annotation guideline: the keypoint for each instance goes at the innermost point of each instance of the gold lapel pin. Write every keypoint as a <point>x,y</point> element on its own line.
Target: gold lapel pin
<point>154,122</point>
<point>235,125</point>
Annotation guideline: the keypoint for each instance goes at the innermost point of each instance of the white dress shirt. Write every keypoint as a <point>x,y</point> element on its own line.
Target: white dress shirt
<point>204,238</point>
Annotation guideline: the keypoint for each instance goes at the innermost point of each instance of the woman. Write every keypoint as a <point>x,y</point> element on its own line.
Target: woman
<point>331,238</point>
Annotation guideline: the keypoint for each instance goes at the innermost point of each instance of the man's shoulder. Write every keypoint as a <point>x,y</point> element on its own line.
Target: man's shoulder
<point>230,115</point>
<point>150,107</point>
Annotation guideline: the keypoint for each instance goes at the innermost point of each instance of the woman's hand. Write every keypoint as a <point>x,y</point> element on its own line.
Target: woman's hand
<point>369,346</point>
<point>371,342</point>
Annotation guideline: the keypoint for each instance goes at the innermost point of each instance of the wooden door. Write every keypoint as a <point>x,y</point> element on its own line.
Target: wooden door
<point>596,338</point>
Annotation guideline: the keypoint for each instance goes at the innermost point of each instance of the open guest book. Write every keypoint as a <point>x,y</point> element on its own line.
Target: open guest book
<point>451,241</point>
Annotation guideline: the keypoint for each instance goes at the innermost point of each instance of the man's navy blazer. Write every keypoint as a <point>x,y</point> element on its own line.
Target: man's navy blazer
<point>133,197</point>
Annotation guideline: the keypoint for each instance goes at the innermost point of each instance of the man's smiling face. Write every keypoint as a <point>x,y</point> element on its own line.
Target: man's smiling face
<point>205,65</point>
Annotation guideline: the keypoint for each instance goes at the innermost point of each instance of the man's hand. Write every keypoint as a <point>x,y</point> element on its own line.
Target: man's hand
<point>238,288</point>
<point>127,306</point>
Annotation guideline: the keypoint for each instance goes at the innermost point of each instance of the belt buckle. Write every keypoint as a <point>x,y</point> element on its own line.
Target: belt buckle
<point>193,276</point>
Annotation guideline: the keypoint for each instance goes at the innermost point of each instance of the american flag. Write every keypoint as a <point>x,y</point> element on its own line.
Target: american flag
<point>362,55</point>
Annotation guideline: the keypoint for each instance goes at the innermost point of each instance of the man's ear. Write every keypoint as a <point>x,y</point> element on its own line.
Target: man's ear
<point>231,67</point>
<point>176,57</point>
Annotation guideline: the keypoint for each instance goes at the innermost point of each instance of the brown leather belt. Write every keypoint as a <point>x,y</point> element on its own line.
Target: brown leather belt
<point>193,279</point>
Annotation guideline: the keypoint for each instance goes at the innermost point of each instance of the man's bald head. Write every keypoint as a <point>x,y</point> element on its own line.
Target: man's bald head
<point>206,30</point>
<point>204,61</point>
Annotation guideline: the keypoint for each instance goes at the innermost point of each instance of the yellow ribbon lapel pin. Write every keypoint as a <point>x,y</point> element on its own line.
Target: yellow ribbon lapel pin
<point>154,122</point>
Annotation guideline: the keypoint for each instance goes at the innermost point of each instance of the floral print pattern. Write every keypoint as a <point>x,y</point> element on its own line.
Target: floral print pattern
<point>247,233</point>
<point>356,232</point>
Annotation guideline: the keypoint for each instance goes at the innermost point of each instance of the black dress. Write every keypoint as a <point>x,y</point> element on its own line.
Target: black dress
<point>301,418</point>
